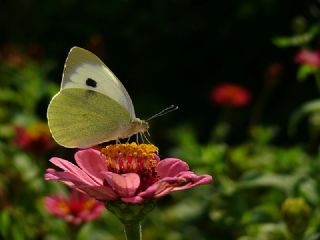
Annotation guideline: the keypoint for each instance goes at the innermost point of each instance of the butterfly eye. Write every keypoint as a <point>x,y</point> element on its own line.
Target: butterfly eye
<point>91,83</point>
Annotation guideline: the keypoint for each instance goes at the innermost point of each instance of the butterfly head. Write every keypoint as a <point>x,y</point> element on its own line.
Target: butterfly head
<point>138,125</point>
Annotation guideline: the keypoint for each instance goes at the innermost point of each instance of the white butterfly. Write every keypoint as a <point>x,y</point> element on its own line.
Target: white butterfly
<point>92,105</point>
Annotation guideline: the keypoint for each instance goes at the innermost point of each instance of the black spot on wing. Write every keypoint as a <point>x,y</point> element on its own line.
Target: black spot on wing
<point>91,83</point>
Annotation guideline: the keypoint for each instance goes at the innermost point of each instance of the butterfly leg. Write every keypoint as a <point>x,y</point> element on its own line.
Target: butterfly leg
<point>146,137</point>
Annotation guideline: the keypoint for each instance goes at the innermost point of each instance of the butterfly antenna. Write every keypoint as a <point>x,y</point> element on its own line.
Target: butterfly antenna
<point>164,111</point>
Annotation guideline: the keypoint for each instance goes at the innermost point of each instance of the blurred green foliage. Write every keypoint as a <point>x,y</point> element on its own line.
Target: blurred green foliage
<point>251,180</point>
<point>215,42</point>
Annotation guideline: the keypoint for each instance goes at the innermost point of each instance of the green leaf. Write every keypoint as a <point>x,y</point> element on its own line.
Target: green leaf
<point>315,236</point>
<point>309,107</point>
<point>282,182</point>
<point>296,40</point>
<point>267,231</point>
<point>4,222</point>
<point>185,210</point>
<point>304,71</point>
<point>263,134</point>
<point>17,232</point>
<point>309,190</point>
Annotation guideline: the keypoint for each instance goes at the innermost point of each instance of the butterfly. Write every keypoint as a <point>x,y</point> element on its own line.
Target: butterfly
<point>92,105</point>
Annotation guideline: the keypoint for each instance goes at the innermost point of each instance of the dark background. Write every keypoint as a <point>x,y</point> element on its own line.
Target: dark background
<point>174,52</point>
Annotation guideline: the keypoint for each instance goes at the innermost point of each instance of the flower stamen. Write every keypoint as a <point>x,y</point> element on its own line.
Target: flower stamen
<point>130,157</point>
<point>133,158</point>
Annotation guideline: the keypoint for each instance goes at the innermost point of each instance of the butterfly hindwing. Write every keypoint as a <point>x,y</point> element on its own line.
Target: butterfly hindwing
<point>80,117</point>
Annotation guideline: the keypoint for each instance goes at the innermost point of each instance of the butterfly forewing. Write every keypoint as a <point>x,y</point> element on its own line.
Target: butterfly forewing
<point>83,69</point>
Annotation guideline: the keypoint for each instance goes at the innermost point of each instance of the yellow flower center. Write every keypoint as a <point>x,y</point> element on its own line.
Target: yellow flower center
<point>63,207</point>
<point>128,156</point>
<point>133,158</point>
<point>89,204</point>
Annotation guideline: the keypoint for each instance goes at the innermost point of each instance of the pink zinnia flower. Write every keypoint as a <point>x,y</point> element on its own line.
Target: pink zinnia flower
<point>35,139</point>
<point>77,208</point>
<point>127,172</point>
<point>308,57</point>
<point>230,95</point>
<point>10,54</point>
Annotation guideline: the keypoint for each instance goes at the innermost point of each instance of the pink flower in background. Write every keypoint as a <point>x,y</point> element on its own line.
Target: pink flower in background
<point>36,139</point>
<point>11,54</point>
<point>96,45</point>
<point>308,57</point>
<point>230,95</point>
<point>128,172</point>
<point>77,208</point>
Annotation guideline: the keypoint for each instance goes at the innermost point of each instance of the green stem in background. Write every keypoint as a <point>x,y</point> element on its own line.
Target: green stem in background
<point>221,131</point>
<point>133,231</point>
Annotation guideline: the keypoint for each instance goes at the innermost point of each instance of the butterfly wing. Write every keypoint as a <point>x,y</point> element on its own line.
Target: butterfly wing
<point>83,118</point>
<point>85,70</point>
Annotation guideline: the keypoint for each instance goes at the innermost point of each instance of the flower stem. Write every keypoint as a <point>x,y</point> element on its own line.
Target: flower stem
<point>133,231</point>
<point>73,230</point>
<point>131,216</point>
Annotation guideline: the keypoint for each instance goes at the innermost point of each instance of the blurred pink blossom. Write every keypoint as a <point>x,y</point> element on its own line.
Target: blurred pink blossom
<point>308,57</point>
<point>35,139</point>
<point>128,172</point>
<point>77,208</point>
<point>11,54</point>
<point>230,95</point>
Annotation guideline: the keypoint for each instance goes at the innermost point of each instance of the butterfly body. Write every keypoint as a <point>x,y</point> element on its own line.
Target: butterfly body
<point>92,105</point>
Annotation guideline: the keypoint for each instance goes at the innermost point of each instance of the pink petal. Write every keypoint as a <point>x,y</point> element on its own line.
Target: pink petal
<point>66,177</point>
<point>159,188</point>
<point>306,56</point>
<point>102,193</point>
<point>91,162</point>
<point>193,180</point>
<point>135,199</point>
<point>73,169</point>
<point>125,184</point>
<point>183,180</point>
<point>52,205</point>
<point>50,174</point>
<point>170,167</point>
<point>93,213</point>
